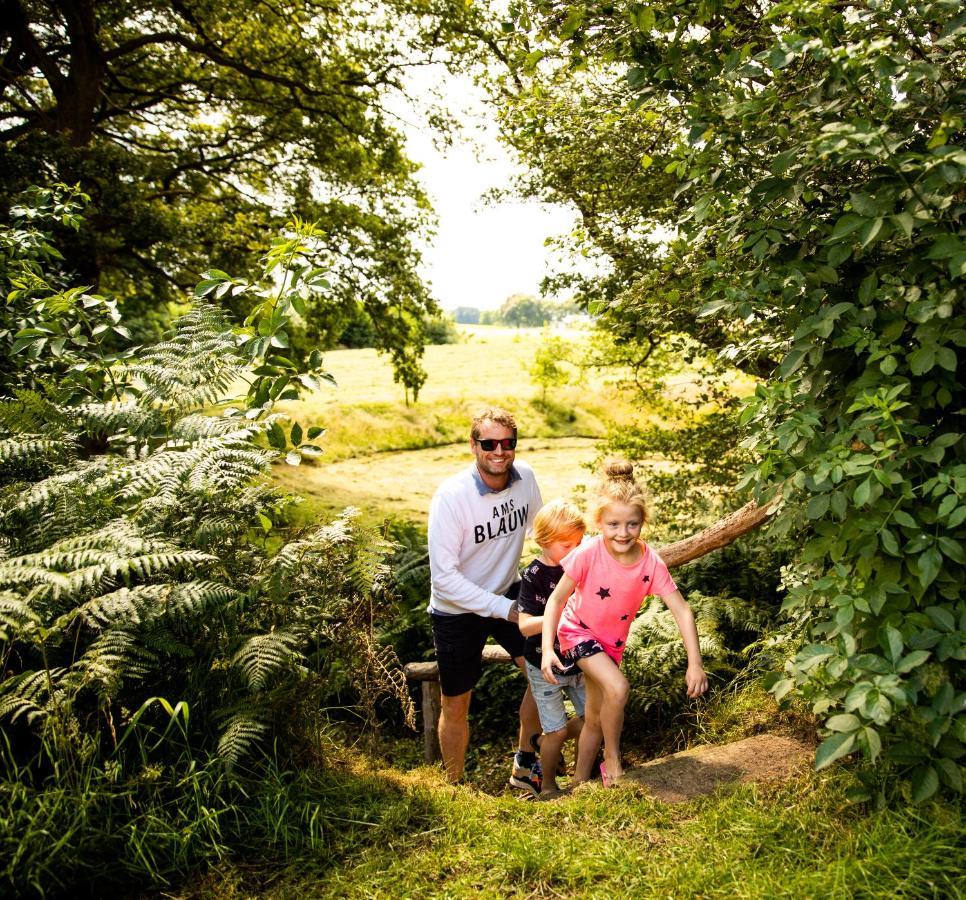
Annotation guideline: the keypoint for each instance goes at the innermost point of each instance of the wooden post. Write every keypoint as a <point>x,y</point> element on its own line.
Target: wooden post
<point>428,674</point>
<point>431,703</point>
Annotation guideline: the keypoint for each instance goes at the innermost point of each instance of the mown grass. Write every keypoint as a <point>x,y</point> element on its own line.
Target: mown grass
<point>366,414</point>
<point>799,839</point>
<point>407,834</point>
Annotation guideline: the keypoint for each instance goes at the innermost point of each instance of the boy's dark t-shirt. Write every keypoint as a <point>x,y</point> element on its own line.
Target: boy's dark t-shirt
<point>537,585</point>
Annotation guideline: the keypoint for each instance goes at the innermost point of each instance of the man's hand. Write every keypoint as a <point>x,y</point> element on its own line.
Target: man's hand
<point>696,681</point>
<point>547,663</point>
<point>514,614</point>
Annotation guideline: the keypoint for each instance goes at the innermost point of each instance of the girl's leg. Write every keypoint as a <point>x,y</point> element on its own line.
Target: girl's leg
<point>601,671</point>
<point>591,734</point>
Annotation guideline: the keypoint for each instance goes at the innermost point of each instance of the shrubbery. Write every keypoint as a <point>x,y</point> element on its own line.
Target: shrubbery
<point>155,613</point>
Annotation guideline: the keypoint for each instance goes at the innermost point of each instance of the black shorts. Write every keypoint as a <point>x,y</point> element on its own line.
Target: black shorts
<point>459,644</point>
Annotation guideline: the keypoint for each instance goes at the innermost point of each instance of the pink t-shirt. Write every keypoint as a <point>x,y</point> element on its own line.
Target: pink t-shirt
<point>608,595</point>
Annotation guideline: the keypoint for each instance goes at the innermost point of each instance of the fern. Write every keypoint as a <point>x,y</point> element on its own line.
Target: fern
<point>656,658</point>
<point>240,734</point>
<point>16,615</point>
<point>128,559</point>
<point>265,655</point>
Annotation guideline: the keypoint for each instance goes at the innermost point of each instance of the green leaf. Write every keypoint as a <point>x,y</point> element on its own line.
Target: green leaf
<point>781,688</point>
<point>296,434</point>
<point>861,495</point>
<point>904,519</point>
<point>946,357</point>
<point>950,774</point>
<point>873,742</point>
<point>293,458</point>
<point>889,542</point>
<point>314,432</point>
<point>930,563</point>
<point>845,226</point>
<point>925,782</point>
<point>833,748</point>
<point>266,522</point>
<point>891,640</point>
<point>888,365</point>
<point>941,618</point>
<point>817,506</point>
<point>922,360</point>
<point>844,722</point>
<point>870,231</point>
<point>276,437</point>
<point>904,222</point>
<point>912,661</point>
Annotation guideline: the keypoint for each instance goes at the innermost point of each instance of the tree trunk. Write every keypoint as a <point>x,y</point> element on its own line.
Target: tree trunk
<point>722,533</point>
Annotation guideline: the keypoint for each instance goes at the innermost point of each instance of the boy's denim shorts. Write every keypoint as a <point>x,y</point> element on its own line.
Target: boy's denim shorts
<point>550,697</point>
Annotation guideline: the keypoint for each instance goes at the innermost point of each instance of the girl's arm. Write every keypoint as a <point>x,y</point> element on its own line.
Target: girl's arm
<point>551,618</point>
<point>695,678</point>
<point>530,625</point>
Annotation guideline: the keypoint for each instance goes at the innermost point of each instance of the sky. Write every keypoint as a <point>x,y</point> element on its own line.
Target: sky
<point>482,252</point>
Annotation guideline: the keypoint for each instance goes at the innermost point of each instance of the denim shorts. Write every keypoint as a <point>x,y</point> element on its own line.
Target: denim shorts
<point>550,697</point>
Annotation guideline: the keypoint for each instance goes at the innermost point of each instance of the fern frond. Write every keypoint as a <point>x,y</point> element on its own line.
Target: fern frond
<point>83,477</point>
<point>28,447</point>
<point>263,655</point>
<point>147,603</point>
<point>112,658</point>
<point>120,416</point>
<point>16,615</point>
<point>28,412</point>
<point>241,732</point>
<point>27,695</point>
<point>195,367</point>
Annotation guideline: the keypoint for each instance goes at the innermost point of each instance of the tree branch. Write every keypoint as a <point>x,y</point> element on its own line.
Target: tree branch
<point>725,531</point>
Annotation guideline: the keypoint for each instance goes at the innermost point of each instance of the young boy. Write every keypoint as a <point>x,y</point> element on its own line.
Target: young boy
<point>558,528</point>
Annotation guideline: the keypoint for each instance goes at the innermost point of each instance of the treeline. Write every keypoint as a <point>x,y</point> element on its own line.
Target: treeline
<point>519,311</point>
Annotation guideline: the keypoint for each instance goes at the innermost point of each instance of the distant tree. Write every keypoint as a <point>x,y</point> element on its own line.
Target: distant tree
<point>523,311</point>
<point>549,367</point>
<point>466,315</point>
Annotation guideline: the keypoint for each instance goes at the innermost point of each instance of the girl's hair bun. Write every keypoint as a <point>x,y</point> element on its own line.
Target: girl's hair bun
<point>619,470</point>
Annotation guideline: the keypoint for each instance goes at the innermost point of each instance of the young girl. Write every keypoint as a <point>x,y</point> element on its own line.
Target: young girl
<point>609,577</point>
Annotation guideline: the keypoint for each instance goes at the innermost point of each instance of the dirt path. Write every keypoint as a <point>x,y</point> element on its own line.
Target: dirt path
<point>403,482</point>
<point>699,771</point>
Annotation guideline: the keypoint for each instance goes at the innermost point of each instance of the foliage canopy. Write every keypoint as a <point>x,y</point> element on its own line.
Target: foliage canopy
<point>809,160</point>
<point>199,129</point>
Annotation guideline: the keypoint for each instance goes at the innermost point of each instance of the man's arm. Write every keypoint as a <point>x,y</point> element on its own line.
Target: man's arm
<point>445,538</point>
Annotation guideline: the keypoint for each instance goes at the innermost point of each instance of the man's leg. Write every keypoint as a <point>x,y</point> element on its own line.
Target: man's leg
<point>454,733</point>
<point>459,642</point>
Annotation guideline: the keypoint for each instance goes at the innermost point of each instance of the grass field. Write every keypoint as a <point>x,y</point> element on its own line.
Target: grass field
<point>387,458</point>
<point>366,413</point>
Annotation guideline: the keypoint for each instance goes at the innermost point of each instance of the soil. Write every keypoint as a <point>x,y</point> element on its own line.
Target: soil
<point>701,770</point>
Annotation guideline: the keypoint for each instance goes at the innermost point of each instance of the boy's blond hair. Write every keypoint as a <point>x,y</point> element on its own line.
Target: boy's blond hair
<point>619,486</point>
<point>557,520</point>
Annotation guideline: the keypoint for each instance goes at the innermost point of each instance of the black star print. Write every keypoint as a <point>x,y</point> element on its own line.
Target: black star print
<point>624,617</point>
<point>618,643</point>
<point>603,592</point>
<point>646,579</point>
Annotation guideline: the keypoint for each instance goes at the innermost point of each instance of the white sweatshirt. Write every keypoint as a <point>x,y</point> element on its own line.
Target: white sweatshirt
<point>475,539</point>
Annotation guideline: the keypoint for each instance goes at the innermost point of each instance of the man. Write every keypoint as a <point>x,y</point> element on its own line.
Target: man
<point>477,523</point>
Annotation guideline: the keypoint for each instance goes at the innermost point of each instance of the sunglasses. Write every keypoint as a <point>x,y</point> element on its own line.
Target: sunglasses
<point>489,444</point>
